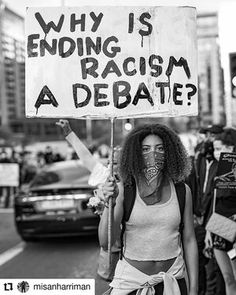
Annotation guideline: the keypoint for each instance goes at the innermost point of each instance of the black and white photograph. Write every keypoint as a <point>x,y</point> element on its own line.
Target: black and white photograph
<point>118,147</point>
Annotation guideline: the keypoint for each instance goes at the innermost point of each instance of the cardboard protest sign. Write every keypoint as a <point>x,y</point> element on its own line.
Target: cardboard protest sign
<point>226,172</point>
<point>108,62</point>
<point>9,174</point>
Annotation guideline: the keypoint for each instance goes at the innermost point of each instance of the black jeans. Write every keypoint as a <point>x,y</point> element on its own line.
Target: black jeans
<point>160,287</point>
<point>215,280</point>
<point>202,260</point>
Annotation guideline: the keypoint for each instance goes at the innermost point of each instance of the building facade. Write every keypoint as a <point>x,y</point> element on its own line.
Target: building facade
<point>12,82</point>
<point>12,66</point>
<point>210,73</point>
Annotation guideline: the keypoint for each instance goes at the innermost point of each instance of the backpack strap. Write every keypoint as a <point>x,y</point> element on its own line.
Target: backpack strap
<point>128,203</point>
<point>129,199</point>
<point>181,196</point>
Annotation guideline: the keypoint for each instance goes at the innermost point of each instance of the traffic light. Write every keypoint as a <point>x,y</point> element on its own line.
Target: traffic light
<point>232,65</point>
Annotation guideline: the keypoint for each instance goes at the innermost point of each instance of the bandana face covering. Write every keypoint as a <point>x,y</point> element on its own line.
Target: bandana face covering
<point>154,163</point>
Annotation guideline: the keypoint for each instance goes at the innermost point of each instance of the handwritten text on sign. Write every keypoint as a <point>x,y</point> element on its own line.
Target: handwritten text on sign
<point>226,172</point>
<point>111,62</point>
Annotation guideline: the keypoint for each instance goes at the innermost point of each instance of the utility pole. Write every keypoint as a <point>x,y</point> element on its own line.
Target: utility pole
<point>89,130</point>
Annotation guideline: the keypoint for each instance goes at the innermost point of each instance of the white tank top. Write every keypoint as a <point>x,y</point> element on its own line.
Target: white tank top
<point>152,231</point>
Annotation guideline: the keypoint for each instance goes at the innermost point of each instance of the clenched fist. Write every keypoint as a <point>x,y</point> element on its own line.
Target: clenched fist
<point>65,125</point>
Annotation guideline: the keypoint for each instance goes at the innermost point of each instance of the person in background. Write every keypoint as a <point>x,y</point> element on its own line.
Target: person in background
<point>28,168</point>
<point>57,157</point>
<point>201,137</point>
<point>206,165</point>
<point>4,157</point>
<point>103,151</point>
<point>5,190</point>
<point>191,181</point>
<point>40,159</point>
<point>226,206</point>
<point>99,171</point>
<point>208,135</point>
<point>153,158</point>
<point>48,155</point>
<point>99,174</point>
<point>212,131</point>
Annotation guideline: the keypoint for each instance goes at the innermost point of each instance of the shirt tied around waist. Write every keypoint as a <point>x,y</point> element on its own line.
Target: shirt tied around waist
<point>127,279</point>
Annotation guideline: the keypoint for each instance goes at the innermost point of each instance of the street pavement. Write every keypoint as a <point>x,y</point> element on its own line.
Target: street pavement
<point>8,234</point>
<point>54,258</point>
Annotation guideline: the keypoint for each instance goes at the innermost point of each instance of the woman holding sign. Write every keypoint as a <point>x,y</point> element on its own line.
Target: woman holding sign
<point>153,164</point>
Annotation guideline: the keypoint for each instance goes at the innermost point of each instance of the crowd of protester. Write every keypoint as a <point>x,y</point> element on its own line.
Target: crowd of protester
<point>216,271</point>
<point>31,163</point>
<point>215,274</point>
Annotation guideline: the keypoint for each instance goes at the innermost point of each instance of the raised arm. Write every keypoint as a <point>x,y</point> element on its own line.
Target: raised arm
<point>190,245</point>
<point>81,150</point>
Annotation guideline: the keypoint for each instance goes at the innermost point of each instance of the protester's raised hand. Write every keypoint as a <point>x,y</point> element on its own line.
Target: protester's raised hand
<point>65,125</point>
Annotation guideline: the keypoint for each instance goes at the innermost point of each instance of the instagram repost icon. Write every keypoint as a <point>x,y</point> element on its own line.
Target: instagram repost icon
<point>23,286</point>
<point>8,286</point>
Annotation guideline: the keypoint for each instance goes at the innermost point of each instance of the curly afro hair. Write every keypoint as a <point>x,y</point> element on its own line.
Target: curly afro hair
<point>177,165</point>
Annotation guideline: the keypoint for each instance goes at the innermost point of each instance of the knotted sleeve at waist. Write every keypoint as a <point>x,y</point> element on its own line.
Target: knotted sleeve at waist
<point>127,279</point>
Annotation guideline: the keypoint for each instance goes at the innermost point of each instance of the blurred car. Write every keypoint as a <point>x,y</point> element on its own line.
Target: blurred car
<point>55,203</point>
